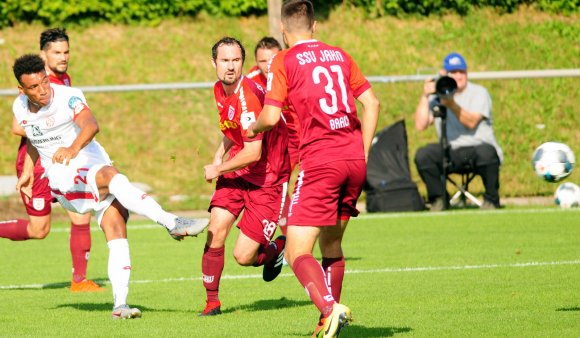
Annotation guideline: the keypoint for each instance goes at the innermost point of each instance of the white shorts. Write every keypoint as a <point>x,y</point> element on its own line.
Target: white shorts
<point>74,186</point>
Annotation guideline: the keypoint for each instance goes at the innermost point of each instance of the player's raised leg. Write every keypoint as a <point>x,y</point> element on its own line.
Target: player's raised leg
<point>109,180</point>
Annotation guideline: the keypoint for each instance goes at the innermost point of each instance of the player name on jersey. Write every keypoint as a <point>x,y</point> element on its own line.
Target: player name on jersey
<point>326,55</point>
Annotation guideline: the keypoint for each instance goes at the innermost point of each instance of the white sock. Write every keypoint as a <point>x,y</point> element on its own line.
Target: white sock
<point>119,269</point>
<point>138,201</point>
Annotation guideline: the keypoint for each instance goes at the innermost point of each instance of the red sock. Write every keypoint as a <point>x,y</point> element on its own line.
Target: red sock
<point>212,265</point>
<point>267,253</point>
<point>311,276</point>
<point>16,229</point>
<point>334,271</point>
<point>80,247</point>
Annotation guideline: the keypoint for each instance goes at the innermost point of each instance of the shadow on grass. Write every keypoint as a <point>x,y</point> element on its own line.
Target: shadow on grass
<point>269,304</point>
<point>90,307</point>
<point>574,308</point>
<point>361,331</point>
<point>54,286</point>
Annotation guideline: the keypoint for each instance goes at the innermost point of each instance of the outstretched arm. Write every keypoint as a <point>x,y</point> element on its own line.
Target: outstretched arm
<point>89,128</point>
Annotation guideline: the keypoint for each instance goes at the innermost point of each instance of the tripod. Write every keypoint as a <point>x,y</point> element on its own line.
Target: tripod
<point>440,111</point>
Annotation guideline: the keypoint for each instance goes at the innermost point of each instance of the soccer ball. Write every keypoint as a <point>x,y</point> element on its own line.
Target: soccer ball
<point>553,161</point>
<point>567,195</point>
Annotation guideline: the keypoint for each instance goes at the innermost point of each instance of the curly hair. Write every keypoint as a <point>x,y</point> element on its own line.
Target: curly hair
<point>27,64</point>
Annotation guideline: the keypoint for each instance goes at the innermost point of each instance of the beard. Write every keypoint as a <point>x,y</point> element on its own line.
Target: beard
<point>229,79</point>
<point>60,69</point>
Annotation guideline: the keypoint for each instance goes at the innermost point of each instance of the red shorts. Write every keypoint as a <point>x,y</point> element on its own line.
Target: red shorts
<point>262,206</point>
<point>326,193</point>
<point>39,204</point>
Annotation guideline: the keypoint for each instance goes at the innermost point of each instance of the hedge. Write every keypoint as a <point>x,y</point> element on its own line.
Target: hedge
<point>83,12</point>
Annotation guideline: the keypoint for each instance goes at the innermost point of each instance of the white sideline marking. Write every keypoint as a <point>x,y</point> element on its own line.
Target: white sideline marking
<point>462,212</point>
<point>385,270</point>
<point>378,216</point>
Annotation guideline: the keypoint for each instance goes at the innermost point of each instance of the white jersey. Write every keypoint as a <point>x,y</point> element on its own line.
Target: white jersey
<point>53,126</point>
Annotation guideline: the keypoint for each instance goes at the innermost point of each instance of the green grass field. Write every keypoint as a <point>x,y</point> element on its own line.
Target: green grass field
<point>466,273</point>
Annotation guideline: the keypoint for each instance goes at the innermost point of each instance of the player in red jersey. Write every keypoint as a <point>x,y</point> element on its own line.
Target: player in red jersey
<point>252,178</point>
<point>54,47</point>
<point>265,49</point>
<point>321,83</point>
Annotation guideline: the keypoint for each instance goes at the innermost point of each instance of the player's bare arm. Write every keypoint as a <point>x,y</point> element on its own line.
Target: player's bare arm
<point>268,118</point>
<point>222,149</point>
<point>17,128</point>
<point>26,179</point>
<point>89,128</point>
<point>370,116</point>
<point>252,152</point>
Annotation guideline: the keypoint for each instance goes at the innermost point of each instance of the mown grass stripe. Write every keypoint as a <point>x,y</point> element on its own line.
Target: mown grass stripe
<point>357,271</point>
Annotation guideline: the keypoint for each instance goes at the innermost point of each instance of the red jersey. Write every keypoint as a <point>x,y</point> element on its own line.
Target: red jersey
<point>256,75</point>
<point>64,80</point>
<point>292,123</point>
<point>237,112</point>
<point>320,83</point>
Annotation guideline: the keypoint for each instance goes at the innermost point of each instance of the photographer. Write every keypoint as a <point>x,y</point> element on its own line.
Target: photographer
<point>467,112</point>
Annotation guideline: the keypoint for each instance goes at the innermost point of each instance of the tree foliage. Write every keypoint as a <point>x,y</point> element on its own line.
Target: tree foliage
<point>60,12</point>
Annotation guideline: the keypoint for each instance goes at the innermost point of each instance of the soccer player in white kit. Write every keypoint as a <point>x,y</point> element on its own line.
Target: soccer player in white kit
<point>60,128</point>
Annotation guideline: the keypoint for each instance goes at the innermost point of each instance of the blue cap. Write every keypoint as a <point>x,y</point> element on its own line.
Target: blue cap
<point>454,61</point>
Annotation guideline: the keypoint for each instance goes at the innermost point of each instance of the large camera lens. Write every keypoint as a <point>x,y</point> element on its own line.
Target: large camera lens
<point>445,86</point>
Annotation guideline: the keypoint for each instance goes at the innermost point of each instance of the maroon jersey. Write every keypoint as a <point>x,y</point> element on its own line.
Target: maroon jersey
<point>237,112</point>
<point>320,83</point>
<point>64,80</point>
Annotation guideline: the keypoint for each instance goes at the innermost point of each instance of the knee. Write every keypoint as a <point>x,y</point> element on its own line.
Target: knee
<point>486,155</point>
<point>424,158</point>
<point>106,174</point>
<point>38,232</point>
<point>216,236</point>
<point>244,258</point>
<point>420,156</point>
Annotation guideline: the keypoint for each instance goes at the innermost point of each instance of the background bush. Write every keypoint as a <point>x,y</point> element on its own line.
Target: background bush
<point>164,138</point>
<point>51,12</point>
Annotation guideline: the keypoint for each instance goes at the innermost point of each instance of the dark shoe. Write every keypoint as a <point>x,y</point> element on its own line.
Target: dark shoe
<point>272,269</point>
<point>438,204</point>
<point>487,205</point>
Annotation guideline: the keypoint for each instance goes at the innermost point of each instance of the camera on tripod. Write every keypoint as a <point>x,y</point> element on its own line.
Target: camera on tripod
<point>444,87</point>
